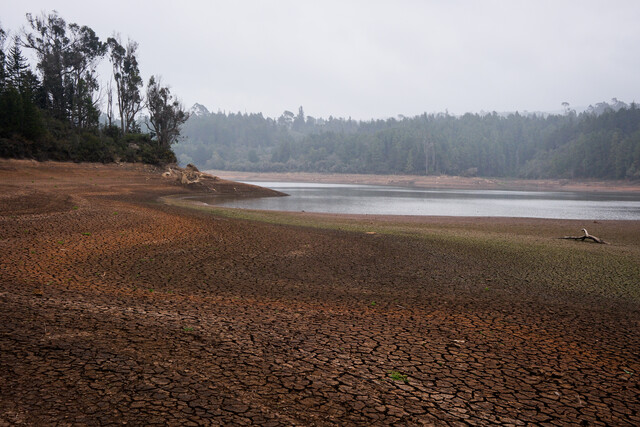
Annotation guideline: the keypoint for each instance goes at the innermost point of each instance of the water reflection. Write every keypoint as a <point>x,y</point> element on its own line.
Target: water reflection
<point>384,200</point>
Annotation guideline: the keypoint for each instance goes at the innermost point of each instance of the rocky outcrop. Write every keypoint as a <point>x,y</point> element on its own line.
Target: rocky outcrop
<point>188,175</point>
<point>192,178</point>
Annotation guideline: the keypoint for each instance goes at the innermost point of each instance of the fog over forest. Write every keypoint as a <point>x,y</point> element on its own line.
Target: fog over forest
<point>374,84</point>
<point>601,142</point>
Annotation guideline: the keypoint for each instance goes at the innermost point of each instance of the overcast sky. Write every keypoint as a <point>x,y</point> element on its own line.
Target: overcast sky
<point>373,59</point>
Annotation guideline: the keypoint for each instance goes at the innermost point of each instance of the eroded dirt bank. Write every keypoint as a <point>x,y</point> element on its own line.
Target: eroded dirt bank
<point>116,308</point>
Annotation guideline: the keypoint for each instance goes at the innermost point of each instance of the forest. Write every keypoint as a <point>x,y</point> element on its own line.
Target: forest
<point>59,110</point>
<point>601,142</point>
<point>55,111</point>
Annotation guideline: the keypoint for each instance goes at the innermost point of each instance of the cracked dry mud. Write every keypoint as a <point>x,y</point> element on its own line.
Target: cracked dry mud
<point>117,309</point>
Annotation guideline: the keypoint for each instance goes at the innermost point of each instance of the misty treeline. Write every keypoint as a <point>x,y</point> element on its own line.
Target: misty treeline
<point>54,111</point>
<point>603,142</point>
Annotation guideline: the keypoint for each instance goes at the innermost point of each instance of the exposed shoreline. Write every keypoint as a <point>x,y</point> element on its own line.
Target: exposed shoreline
<point>436,182</point>
<point>116,307</point>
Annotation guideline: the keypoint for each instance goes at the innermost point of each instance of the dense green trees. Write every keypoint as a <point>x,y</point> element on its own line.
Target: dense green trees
<point>600,143</point>
<point>55,114</point>
<point>19,93</point>
<point>68,55</point>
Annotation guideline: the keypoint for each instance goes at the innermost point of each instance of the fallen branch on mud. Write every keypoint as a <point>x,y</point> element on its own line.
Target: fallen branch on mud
<point>584,237</point>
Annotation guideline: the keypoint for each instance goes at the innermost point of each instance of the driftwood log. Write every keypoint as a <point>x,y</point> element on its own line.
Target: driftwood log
<point>585,237</point>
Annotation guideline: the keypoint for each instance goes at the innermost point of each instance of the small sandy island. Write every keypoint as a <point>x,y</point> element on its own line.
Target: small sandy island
<point>122,303</point>
<point>444,182</point>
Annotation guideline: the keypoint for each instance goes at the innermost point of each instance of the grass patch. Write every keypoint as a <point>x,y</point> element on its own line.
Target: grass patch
<point>398,376</point>
<point>522,254</point>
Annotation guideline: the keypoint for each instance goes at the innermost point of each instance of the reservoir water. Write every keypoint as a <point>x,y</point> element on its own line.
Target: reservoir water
<point>386,200</point>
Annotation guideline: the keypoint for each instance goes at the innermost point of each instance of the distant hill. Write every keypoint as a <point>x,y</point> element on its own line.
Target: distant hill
<point>198,110</point>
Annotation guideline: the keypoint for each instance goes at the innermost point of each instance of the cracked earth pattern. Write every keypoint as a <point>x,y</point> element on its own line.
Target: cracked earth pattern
<point>116,309</point>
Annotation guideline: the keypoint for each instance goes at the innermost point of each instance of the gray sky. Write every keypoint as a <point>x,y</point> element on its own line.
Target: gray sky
<point>373,59</point>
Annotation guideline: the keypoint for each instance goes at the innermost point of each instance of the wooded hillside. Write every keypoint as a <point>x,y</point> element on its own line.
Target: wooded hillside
<point>603,142</point>
<point>53,111</point>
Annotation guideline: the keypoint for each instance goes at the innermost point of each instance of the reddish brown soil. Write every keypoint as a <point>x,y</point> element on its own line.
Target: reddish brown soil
<point>115,308</point>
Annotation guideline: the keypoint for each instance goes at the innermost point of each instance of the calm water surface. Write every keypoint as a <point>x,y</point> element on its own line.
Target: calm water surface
<point>385,200</point>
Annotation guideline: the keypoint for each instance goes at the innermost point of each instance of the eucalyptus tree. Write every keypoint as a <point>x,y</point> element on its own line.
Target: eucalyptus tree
<point>82,84</point>
<point>166,114</point>
<point>128,81</point>
<point>68,55</point>
<point>299,120</point>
